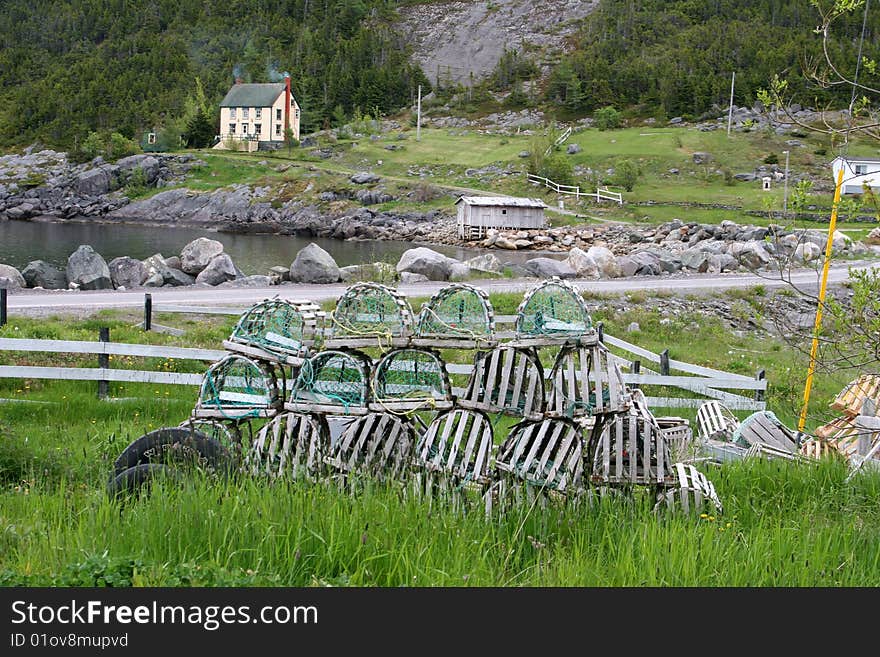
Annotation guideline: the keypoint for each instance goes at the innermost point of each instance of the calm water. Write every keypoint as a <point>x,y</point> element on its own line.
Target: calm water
<point>22,241</point>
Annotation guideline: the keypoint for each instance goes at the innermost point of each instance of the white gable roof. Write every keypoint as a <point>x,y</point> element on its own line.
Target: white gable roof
<point>502,201</point>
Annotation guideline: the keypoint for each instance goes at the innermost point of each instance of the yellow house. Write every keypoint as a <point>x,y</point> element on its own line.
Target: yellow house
<point>257,114</point>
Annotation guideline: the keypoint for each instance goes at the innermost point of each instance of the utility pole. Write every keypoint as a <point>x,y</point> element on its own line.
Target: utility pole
<point>785,193</point>
<point>730,109</point>
<point>419,116</point>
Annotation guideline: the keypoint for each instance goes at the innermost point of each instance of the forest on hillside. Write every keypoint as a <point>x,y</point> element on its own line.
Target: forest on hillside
<point>675,57</point>
<point>72,67</point>
<point>69,67</point>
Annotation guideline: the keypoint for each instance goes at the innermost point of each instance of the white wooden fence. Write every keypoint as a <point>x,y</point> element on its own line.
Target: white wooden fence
<point>704,381</point>
<point>601,194</point>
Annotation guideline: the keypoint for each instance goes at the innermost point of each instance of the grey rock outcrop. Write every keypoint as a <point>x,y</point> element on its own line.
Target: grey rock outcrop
<point>94,182</point>
<point>198,254</point>
<point>11,278</point>
<point>127,272</point>
<point>40,273</point>
<point>147,164</point>
<point>487,262</point>
<point>604,258</point>
<point>434,266</point>
<point>219,270</point>
<point>582,263</point>
<point>364,177</point>
<point>548,268</point>
<point>314,265</point>
<point>88,270</point>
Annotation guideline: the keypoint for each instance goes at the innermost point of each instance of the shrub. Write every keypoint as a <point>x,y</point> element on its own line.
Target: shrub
<point>607,118</point>
<point>773,158</point>
<point>626,174</point>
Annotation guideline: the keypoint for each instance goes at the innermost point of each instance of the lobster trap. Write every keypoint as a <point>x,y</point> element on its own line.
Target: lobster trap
<point>378,445</point>
<point>553,312</point>
<point>409,379</point>
<point>237,388</point>
<point>458,316</point>
<point>585,380</point>
<point>291,445</point>
<point>332,381</point>
<point>371,315</point>
<point>277,331</point>
<point>506,380</point>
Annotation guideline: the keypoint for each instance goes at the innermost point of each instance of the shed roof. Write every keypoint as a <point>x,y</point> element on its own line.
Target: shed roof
<point>253,95</point>
<point>856,159</point>
<point>502,201</point>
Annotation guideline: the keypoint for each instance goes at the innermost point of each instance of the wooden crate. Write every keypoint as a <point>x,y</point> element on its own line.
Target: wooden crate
<point>852,397</point>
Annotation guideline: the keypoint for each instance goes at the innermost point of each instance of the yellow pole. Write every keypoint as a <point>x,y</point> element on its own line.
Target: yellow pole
<point>822,287</point>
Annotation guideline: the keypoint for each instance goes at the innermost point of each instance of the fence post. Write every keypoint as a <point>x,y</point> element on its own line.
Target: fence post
<point>601,328</point>
<point>148,311</point>
<point>635,368</point>
<point>759,394</point>
<point>104,362</point>
<point>664,362</point>
<point>3,293</point>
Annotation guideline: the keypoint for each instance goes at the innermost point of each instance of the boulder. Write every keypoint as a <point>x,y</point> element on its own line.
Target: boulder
<point>176,278</point>
<point>409,277</point>
<point>435,266</point>
<point>364,177</point>
<point>573,149</point>
<point>174,263</point>
<point>582,263</point>
<point>502,242</point>
<point>723,262</point>
<point>154,280</point>
<point>807,252</point>
<point>840,242</point>
<point>196,255</point>
<point>484,263</point>
<point>459,272</point>
<point>11,278</point>
<point>627,266</point>
<point>695,259</point>
<point>127,272</point>
<point>548,268</point>
<point>256,280</point>
<point>751,254</point>
<point>279,274</point>
<point>648,263</point>
<point>669,262</point>
<point>219,270</point>
<point>93,182</point>
<point>88,270</point>
<point>314,265</point>
<point>40,273</point>
<point>605,260</point>
<point>702,158</point>
<point>873,237</point>
<point>148,164</point>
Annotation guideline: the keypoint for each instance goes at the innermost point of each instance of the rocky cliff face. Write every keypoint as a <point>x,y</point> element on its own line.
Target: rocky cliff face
<point>460,39</point>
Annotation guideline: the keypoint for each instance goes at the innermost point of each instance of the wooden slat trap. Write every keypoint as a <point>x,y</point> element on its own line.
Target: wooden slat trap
<point>679,437</point>
<point>333,381</point>
<point>371,315</point>
<point>455,451</point>
<point>630,449</point>
<point>850,400</point>
<point>458,316</point>
<point>278,331</point>
<point>545,456</point>
<point>507,380</point>
<point>411,379</point>
<point>764,428</point>
<point>553,312</point>
<point>692,493</point>
<point>291,446</point>
<point>716,422</point>
<point>379,445</point>
<point>585,380</point>
<point>236,388</point>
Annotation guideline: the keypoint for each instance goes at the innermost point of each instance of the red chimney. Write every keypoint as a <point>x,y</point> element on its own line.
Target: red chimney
<point>286,105</point>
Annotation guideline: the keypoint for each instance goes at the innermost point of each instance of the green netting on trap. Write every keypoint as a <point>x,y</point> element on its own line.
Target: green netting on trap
<point>553,309</point>
<point>278,327</point>
<point>411,374</point>
<point>457,311</point>
<point>338,378</point>
<point>370,310</point>
<point>237,384</point>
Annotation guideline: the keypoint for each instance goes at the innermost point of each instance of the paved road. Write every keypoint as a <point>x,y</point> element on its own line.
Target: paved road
<point>61,302</point>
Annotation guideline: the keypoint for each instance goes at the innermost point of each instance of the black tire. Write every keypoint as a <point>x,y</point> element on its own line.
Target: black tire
<point>178,446</point>
<point>138,479</point>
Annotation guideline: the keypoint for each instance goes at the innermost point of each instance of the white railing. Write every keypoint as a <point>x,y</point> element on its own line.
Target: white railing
<point>559,140</point>
<point>704,381</point>
<point>602,194</point>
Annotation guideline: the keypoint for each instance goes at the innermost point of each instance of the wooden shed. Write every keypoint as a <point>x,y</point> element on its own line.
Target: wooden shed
<point>477,214</point>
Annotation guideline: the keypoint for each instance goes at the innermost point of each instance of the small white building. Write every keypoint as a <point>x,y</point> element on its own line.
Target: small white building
<point>477,214</point>
<point>857,172</point>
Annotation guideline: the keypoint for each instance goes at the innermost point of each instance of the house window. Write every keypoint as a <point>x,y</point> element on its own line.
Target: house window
<point>244,128</point>
<point>278,129</point>
<point>292,101</point>
<point>244,112</point>
<point>231,128</point>
<point>258,113</point>
<point>151,138</point>
<point>861,169</point>
<point>257,127</point>
<point>232,111</point>
<point>296,113</point>
<point>278,115</point>
<point>504,212</point>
